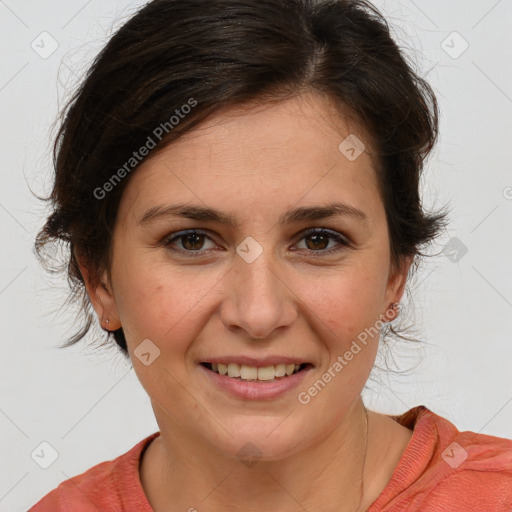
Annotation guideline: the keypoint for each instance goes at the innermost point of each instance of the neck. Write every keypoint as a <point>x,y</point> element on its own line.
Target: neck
<point>327,475</point>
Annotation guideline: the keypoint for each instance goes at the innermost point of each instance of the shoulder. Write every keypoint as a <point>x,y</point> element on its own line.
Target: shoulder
<point>105,486</point>
<point>444,467</point>
<point>476,472</point>
<point>475,469</point>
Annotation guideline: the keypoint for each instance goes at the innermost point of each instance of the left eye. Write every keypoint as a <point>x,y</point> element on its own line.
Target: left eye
<point>316,239</point>
<point>322,236</point>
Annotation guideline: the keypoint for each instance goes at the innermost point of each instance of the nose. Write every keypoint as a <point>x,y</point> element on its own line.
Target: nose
<point>258,298</point>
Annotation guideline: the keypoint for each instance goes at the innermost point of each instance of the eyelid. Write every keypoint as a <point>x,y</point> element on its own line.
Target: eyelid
<point>324,231</point>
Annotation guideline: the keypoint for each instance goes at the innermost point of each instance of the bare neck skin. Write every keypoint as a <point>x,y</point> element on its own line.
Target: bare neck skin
<point>176,476</point>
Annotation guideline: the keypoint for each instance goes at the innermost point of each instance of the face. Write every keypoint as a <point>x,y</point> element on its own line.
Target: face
<point>282,283</point>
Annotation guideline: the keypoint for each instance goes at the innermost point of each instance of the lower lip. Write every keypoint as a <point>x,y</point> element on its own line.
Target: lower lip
<point>256,390</point>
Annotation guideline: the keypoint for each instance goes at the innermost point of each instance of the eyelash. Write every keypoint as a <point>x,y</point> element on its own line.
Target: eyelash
<point>312,231</point>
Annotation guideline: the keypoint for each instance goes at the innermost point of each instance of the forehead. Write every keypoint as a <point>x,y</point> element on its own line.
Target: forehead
<point>306,125</point>
<point>260,156</point>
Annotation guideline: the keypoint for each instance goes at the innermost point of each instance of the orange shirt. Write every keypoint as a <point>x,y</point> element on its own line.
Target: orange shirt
<point>441,470</point>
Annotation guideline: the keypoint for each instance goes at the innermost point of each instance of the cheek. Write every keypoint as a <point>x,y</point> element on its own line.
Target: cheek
<point>347,301</point>
<point>162,305</point>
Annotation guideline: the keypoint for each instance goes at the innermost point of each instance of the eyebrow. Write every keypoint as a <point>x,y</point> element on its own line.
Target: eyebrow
<point>301,214</point>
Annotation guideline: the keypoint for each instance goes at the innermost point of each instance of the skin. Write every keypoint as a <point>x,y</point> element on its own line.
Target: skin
<point>256,162</point>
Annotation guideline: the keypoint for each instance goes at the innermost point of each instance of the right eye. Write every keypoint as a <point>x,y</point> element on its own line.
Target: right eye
<point>190,240</point>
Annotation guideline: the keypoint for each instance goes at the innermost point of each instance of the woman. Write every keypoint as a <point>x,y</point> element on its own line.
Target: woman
<point>238,183</point>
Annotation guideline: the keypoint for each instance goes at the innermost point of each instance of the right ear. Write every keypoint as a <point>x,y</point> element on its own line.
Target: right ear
<point>100,294</point>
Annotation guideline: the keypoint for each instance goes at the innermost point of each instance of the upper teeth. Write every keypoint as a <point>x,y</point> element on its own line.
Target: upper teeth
<point>254,373</point>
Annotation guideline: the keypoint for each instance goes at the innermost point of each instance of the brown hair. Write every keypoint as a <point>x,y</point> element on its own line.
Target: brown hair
<point>220,53</point>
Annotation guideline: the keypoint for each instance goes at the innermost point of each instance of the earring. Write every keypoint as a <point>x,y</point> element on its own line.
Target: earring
<point>396,308</point>
<point>393,306</point>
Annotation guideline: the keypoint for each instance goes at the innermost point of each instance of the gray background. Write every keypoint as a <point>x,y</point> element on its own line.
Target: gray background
<point>88,404</point>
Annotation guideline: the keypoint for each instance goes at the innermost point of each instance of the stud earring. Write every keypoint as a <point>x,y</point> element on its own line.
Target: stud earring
<point>393,306</point>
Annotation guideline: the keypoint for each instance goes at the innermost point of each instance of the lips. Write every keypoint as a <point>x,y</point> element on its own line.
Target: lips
<point>260,381</point>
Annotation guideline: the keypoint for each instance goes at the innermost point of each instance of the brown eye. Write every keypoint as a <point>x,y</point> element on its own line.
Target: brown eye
<point>317,241</point>
<point>192,242</point>
<point>188,242</point>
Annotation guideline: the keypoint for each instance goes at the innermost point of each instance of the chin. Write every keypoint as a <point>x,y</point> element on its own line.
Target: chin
<point>260,438</point>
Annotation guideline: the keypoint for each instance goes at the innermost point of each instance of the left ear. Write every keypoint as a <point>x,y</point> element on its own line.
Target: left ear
<point>396,283</point>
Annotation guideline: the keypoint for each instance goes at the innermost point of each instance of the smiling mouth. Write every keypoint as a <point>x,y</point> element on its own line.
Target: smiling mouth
<point>256,374</point>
